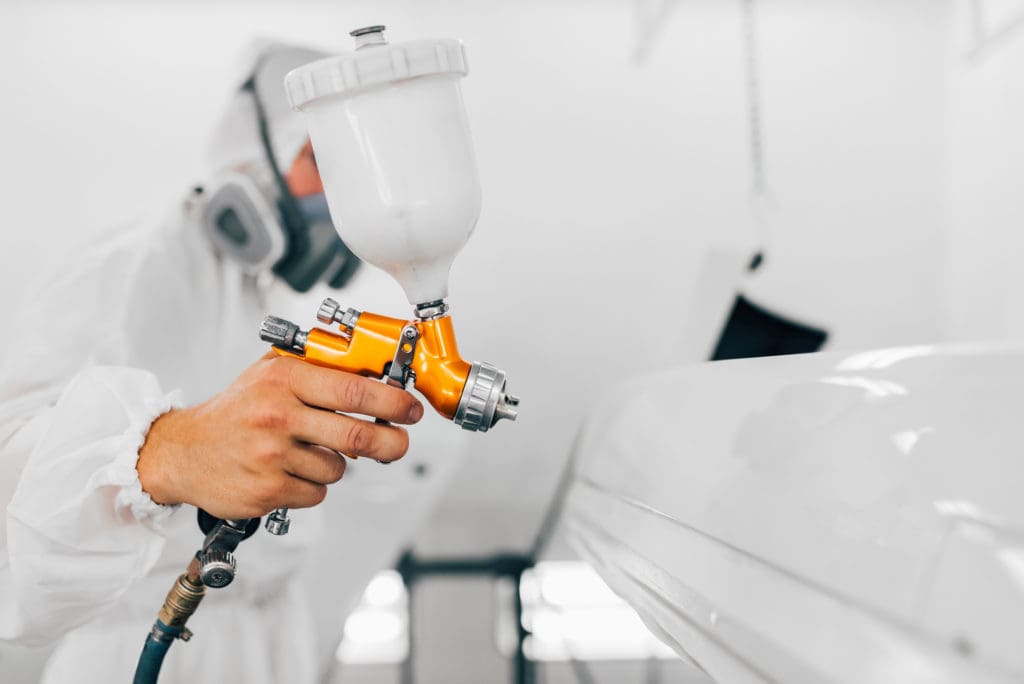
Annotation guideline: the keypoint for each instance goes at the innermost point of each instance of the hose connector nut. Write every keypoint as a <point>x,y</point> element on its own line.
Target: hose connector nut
<point>429,311</point>
<point>217,568</point>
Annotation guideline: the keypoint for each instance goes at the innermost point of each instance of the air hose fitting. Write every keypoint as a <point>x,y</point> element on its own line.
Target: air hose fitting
<point>181,602</point>
<point>183,599</point>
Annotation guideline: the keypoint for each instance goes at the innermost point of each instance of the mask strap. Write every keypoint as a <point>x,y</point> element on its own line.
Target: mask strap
<point>294,220</point>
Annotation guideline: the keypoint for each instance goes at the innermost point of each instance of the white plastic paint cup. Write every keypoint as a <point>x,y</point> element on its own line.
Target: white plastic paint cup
<point>393,146</point>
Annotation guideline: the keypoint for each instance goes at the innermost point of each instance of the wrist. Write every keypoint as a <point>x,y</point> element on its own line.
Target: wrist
<point>158,459</point>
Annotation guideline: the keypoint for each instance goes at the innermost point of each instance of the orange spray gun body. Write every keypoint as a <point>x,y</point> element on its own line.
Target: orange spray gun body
<point>422,352</point>
<point>372,345</point>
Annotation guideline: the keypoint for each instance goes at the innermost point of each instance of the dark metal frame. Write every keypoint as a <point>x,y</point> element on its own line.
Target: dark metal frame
<point>511,565</point>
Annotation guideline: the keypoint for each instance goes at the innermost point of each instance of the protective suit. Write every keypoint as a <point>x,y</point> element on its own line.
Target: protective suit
<point>145,320</point>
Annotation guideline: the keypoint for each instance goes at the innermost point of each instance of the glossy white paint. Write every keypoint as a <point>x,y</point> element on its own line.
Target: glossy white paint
<point>841,518</point>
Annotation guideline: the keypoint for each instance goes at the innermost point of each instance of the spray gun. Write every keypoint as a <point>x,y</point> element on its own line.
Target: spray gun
<point>392,145</point>
<point>420,352</point>
<point>393,149</point>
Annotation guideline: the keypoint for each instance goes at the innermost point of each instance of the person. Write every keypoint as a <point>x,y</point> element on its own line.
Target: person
<point>146,393</point>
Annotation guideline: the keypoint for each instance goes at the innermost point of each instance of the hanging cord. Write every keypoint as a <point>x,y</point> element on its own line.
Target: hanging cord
<point>754,123</point>
<point>650,17</point>
<point>761,200</point>
<point>985,39</point>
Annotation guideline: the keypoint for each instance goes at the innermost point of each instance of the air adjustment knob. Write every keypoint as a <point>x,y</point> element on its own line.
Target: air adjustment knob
<point>283,334</point>
<point>217,568</point>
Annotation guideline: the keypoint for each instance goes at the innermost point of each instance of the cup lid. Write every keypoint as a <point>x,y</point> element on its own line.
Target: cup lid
<point>374,62</point>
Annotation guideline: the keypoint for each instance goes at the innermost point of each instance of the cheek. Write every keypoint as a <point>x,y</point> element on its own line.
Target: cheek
<point>303,178</point>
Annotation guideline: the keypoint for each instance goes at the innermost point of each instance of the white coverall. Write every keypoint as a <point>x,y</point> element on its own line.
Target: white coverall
<point>146,320</point>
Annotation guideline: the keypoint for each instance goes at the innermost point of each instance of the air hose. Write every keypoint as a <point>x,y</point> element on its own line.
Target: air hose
<point>153,652</point>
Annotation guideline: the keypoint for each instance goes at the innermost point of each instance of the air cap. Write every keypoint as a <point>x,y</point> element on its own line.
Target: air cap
<point>374,62</point>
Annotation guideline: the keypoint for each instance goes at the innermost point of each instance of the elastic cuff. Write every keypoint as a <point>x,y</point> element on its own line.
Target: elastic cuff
<point>132,495</point>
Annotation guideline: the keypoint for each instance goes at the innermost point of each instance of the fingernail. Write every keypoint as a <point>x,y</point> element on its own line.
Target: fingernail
<point>416,412</point>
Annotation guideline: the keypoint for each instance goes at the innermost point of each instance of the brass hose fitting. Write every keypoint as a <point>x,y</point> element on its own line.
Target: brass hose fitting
<point>183,599</point>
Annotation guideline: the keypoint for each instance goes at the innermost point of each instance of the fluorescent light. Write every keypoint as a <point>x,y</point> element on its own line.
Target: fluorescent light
<point>385,589</point>
<point>373,626</point>
<point>573,615</point>
<point>377,632</point>
<point>569,584</point>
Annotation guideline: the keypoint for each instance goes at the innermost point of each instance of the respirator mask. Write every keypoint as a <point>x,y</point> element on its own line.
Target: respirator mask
<point>251,216</point>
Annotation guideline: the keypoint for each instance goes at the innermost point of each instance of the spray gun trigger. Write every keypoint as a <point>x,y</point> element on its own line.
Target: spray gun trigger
<point>398,371</point>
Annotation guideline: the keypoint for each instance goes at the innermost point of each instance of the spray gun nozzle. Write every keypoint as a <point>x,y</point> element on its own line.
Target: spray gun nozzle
<point>506,408</point>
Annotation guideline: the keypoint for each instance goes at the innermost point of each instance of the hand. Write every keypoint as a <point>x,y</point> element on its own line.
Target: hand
<point>272,438</point>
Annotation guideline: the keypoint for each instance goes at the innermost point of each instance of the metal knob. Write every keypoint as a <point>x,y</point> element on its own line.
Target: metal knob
<point>217,568</point>
<point>283,334</point>
<point>328,311</point>
<point>278,522</point>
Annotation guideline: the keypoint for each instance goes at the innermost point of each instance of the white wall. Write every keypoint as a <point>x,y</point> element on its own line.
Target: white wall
<point>986,181</point>
<point>853,101</point>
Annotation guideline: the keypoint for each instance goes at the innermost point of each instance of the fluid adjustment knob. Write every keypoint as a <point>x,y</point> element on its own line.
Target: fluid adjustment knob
<point>328,311</point>
<point>217,568</point>
<point>278,522</point>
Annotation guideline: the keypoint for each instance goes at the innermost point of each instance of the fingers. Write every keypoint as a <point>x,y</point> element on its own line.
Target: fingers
<point>340,391</point>
<point>350,435</point>
<point>314,463</point>
<point>300,493</point>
